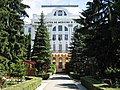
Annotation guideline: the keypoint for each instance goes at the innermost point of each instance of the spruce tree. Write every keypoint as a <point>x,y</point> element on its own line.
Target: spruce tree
<point>99,22</point>
<point>27,43</point>
<point>41,49</point>
<point>11,34</point>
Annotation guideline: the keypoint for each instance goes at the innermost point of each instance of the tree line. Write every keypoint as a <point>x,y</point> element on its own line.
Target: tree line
<point>15,46</point>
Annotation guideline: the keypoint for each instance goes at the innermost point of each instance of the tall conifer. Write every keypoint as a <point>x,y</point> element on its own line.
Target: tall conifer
<point>41,49</point>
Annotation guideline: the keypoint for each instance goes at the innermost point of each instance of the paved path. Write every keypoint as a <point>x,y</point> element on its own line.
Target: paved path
<point>60,82</point>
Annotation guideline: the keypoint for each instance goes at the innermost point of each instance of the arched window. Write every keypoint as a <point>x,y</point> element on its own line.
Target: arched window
<point>65,13</point>
<point>60,58</point>
<point>54,58</point>
<point>54,29</point>
<point>55,14</point>
<point>75,28</point>
<point>66,29</point>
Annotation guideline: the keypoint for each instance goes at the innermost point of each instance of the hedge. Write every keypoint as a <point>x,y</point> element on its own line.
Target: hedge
<point>74,76</point>
<point>44,76</point>
<point>26,85</point>
<point>94,86</point>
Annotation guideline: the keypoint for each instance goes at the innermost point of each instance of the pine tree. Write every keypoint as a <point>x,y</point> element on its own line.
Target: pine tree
<point>41,49</point>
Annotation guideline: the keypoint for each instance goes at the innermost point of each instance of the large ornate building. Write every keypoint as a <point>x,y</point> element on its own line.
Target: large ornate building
<point>61,27</point>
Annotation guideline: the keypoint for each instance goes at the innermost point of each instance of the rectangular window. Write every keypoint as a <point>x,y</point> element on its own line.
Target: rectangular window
<point>60,13</point>
<point>60,65</point>
<point>54,37</point>
<point>53,46</point>
<point>60,37</point>
<point>60,46</point>
<point>60,28</point>
<point>66,46</point>
<point>66,36</point>
<point>29,30</point>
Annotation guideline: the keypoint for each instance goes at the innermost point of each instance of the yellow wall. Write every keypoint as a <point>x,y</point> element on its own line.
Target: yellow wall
<point>56,60</point>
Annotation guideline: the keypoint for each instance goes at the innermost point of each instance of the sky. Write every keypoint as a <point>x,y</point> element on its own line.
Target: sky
<point>35,5</point>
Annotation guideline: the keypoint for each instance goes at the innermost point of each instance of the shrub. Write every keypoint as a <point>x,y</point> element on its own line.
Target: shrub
<point>52,68</point>
<point>50,73</point>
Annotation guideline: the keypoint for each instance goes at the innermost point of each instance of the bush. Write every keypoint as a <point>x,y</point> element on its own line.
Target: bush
<point>4,84</point>
<point>52,68</point>
<point>27,85</point>
<point>50,73</point>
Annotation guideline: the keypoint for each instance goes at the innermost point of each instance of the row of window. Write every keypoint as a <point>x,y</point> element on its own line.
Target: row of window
<point>60,28</point>
<point>60,58</point>
<point>58,22</point>
<point>60,47</point>
<point>60,37</point>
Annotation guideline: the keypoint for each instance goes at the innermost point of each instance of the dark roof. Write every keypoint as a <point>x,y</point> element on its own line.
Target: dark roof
<point>59,6</point>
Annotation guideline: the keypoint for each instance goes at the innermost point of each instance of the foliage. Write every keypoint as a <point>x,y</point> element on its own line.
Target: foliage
<point>18,69</point>
<point>110,70</point>
<point>3,65</point>
<point>52,68</point>
<point>95,45</point>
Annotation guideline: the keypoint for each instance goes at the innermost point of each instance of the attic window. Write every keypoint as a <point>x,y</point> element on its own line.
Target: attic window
<point>60,13</point>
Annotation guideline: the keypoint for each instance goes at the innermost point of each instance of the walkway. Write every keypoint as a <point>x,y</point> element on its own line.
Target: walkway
<point>60,82</point>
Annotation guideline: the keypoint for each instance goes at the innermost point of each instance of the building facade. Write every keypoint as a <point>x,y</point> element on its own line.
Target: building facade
<point>61,27</point>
